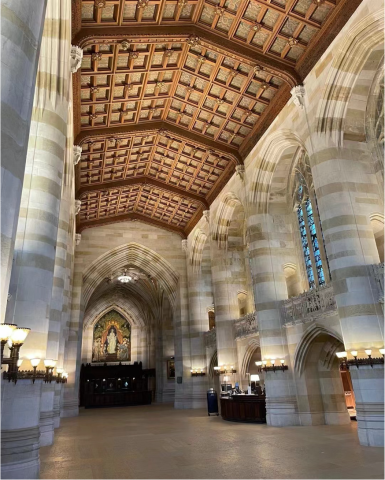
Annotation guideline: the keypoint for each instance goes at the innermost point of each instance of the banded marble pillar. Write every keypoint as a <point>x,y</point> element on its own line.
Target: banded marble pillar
<point>21,26</point>
<point>183,390</point>
<point>226,309</point>
<point>346,189</point>
<point>269,289</point>
<point>200,297</point>
<point>37,232</point>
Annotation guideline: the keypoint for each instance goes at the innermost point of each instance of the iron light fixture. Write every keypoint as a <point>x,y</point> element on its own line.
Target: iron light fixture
<point>346,363</point>
<point>273,367</point>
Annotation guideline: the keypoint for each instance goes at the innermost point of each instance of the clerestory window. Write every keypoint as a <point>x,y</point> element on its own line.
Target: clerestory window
<point>311,237</point>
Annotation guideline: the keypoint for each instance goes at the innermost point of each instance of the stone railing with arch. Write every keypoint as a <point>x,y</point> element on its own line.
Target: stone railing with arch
<point>309,306</point>
<point>210,338</point>
<point>377,272</point>
<point>246,325</point>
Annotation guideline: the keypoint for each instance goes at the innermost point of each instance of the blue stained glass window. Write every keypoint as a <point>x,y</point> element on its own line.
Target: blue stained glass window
<point>314,242</point>
<point>305,246</point>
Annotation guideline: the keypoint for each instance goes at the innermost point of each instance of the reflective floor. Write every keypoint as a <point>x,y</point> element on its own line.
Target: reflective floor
<point>159,442</point>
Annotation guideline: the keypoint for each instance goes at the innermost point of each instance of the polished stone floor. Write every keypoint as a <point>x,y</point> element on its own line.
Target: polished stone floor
<point>159,442</point>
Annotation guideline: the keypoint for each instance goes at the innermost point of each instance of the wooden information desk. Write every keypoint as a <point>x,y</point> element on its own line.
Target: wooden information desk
<point>244,408</point>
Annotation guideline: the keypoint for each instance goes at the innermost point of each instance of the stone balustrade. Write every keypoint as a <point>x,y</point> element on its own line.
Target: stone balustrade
<point>210,338</point>
<point>309,306</point>
<point>377,272</point>
<point>246,326</point>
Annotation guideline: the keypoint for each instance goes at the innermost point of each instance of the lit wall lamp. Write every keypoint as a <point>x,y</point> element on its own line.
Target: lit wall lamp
<point>15,336</point>
<point>224,370</point>
<point>346,363</point>
<point>49,366</point>
<point>197,372</point>
<point>263,367</point>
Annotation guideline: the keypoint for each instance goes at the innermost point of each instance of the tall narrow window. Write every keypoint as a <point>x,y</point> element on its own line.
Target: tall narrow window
<point>310,237</point>
<point>305,247</point>
<point>314,242</point>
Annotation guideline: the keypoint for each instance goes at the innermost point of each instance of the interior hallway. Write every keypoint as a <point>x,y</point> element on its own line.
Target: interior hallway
<point>159,442</point>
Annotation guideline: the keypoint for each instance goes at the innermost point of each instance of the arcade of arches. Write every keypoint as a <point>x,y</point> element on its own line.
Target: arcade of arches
<point>193,184</point>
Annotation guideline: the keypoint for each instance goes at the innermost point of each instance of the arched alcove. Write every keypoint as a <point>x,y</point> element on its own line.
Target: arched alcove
<point>318,376</point>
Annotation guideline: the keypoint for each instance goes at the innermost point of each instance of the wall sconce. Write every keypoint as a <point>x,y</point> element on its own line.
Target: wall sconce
<point>49,366</point>
<point>197,373</point>
<point>15,336</point>
<point>224,370</point>
<point>263,367</point>
<point>345,364</point>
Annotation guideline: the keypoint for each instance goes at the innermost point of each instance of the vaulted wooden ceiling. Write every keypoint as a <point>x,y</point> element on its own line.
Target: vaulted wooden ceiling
<point>173,94</point>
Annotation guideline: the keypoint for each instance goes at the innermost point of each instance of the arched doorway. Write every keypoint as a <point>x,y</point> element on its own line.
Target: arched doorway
<point>320,389</point>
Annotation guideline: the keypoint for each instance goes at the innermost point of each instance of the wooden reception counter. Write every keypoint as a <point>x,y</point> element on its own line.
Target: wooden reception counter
<point>244,408</point>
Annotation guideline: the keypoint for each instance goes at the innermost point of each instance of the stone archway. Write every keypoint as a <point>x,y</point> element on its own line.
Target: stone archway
<point>321,398</point>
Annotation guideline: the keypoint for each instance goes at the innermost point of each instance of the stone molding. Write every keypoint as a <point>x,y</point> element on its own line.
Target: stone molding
<point>377,272</point>
<point>19,447</point>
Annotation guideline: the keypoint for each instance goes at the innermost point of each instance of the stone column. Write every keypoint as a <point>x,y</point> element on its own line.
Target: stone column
<point>226,308</point>
<point>269,289</point>
<point>346,189</point>
<point>21,26</point>
<point>21,30</point>
<point>183,391</point>
<point>199,300</point>
<point>37,231</point>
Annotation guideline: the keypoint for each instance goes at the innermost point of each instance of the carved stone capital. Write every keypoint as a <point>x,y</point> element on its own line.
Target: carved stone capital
<point>76,58</point>
<point>298,96</point>
<point>78,206</point>
<point>184,245</point>
<point>240,170</point>
<point>77,153</point>
<point>78,237</point>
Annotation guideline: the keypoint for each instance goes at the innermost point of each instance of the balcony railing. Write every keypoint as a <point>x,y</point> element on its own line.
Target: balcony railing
<point>309,306</point>
<point>210,338</point>
<point>377,272</point>
<point>246,326</point>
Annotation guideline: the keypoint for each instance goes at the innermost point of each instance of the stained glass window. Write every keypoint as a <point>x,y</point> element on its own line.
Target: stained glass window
<point>314,242</point>
<point>305,246</point>
<point>310,229</point>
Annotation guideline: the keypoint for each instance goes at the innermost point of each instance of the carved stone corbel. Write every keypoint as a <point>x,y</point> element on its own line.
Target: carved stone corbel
<point>298,96</point>
<point>184,245</point>
<point>77,153</point>
<point>206,216</point>
<point>78,206</point>
<point>76,58</point>
<point>240,170</point>
<point>78,237</point>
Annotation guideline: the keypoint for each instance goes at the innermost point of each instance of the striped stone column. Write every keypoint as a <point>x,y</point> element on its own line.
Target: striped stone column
<point>21,30</point>
<point>269,289</point>
<point>200,297</point>
<point>183,391</point>
<point>21,26</point>
<point>344,184</point>
<point>37,232</point>
<point>226,308</point>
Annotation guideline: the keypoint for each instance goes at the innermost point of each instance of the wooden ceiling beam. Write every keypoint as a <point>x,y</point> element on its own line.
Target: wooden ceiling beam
<point>129,217</point>
<point>142,181</point>
<point>154,127</point>
<point>168,33</point>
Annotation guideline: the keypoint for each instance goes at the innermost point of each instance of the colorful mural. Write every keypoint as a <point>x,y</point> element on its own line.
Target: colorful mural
<point>112,339</point>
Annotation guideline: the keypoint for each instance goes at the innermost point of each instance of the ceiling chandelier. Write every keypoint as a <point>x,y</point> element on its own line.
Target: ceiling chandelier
<point>130,275</point>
